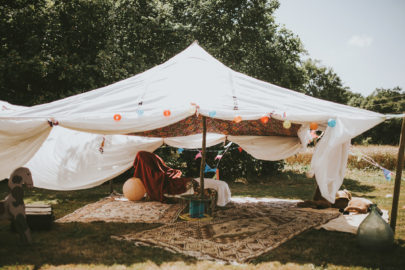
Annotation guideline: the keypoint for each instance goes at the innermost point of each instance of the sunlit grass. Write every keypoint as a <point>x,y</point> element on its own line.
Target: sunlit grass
<point>384,155</point>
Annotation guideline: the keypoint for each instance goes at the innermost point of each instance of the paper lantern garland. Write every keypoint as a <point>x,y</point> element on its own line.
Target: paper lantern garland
<point>313,126</point>
<point>332,122</point>
<point>117,117</point>
<point>264,119</point>
<point>192,109</point>
<point>286,124</point>
<point>237,119</point>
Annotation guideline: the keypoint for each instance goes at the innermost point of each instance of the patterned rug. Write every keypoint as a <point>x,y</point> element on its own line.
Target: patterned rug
<point>240,232</point>
<point>119,209</point>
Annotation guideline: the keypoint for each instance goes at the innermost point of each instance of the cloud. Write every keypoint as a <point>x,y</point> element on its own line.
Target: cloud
<point>361,41</point>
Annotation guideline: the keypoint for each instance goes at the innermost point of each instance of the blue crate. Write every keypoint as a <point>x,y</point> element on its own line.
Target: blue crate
<point>196,209</point>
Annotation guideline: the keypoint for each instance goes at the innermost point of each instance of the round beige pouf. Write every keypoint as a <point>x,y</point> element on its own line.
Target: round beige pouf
<point>133,189</point>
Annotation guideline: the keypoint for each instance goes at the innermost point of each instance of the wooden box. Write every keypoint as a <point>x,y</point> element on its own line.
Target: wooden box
<point>39,216</point>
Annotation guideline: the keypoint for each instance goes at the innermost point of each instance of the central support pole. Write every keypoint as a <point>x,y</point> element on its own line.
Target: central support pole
<point>111,186</point>
<point>398,175</point>
<point>202,168</point>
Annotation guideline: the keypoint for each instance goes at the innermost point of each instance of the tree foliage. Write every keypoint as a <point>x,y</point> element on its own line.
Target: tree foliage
<point>386,101</point>
<point>322,82</point>
<point>233,165</point>
<point>54,49</point>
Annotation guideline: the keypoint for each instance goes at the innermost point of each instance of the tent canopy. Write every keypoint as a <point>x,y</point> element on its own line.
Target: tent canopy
<point>161,105</point>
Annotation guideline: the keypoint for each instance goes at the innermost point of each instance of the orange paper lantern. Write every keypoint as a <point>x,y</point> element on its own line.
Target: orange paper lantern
<point>117,117</point>
<point>167,113</point>
<point>313,126</point>
<point>133,189</point>
<point>237,119</point>
<point>264,119</point>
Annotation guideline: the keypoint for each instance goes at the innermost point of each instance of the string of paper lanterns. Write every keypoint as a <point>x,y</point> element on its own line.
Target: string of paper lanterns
<point>194,109</point>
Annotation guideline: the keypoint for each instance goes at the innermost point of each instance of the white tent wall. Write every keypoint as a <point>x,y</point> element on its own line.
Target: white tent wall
<point>192,76</point>
<point>70,160</point>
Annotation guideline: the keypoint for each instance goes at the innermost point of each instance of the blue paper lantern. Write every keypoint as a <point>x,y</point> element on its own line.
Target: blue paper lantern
<point>180,150</point>
<point>212,113</point>
<point>139,112</point>
<point>332,122</point>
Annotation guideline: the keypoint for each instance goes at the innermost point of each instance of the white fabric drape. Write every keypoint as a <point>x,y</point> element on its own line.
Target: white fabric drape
<point>268,148</point>
<point>330,156</point>
<point>195,141</point>
<point>71,160</point>
<point>222,188</point>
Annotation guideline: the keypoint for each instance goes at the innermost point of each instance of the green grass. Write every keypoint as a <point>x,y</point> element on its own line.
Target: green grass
<point>89,246</point>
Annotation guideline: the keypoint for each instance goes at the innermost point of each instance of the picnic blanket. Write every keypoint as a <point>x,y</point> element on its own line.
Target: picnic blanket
<point>119,209</point>
<point>243,230</point>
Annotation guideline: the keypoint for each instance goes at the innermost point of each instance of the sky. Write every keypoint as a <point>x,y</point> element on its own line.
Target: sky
<point>363,41</point>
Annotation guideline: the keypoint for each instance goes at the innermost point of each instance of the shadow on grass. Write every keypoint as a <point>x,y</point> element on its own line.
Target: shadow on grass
<point>288,185</point>
<point>81,243</point>
<point>323,248</point>
<point>356,186</point>
<point>91,244</point>
<point>76,243</point>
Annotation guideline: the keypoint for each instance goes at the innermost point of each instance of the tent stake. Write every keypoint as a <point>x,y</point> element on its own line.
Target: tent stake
<point>204,120</point>
<point>398,175</point>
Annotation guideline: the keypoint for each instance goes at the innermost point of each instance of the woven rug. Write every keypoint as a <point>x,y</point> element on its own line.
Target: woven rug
<point>242,231</point>
<point>119,209</point>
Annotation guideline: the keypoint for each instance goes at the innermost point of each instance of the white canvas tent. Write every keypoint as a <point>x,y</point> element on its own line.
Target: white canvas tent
<point>67,157</point>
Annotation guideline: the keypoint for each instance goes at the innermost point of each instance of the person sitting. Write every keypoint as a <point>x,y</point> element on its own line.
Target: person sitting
<point>158,178</point>
<point>161,181</point>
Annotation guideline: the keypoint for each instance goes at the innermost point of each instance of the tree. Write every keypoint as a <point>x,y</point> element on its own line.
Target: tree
<point>23,68</point>
<point>356,100</point>
<point>386,101</point>
<point>54,49</point>
<point>241,34</point>
<point>322,82</point>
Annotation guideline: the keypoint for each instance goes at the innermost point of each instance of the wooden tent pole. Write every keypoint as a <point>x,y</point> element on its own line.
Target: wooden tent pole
<point>111,186</point>
<point>202,168</point>
<point>398,176</point>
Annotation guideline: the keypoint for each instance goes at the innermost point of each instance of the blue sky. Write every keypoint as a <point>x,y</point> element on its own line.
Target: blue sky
<point>363,41</point>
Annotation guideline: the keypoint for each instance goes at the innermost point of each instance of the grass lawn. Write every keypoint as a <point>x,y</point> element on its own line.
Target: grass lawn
<point>89,246</point>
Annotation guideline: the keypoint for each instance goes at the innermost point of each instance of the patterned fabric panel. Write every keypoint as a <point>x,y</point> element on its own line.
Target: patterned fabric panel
<point>193,125</point>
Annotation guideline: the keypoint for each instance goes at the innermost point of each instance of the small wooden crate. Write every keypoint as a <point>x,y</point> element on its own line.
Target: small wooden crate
<point>39,216</point>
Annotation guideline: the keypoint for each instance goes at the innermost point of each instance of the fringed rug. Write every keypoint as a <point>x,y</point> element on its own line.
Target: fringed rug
<point>119,209</point>
<point>242,231</point>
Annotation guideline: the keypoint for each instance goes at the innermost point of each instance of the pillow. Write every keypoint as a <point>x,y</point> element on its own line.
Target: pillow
<point>358,205</point>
